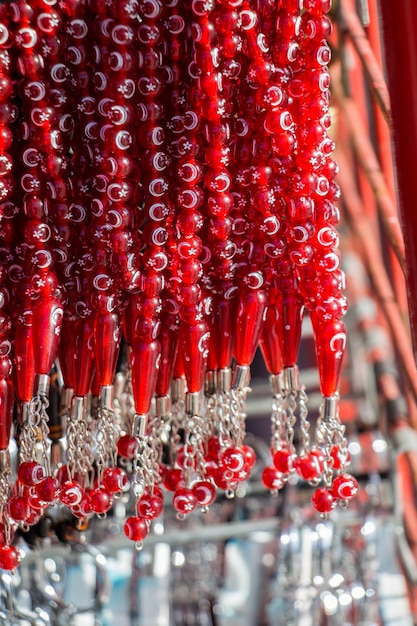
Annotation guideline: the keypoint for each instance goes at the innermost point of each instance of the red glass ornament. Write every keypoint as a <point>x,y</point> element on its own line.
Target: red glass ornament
<point>330,347</point>
<point>194,345</point>
<point>30,473</point>
<point>173,479</point>
<point>233,458</point>
<point>150,506</point>
<point>184,501</point>
<point>250,318</point>
<point>84,356</point>
<point>168,340</point>
<point>323,500</point>
<point>272,478</point>
<point>345,487</point>
<point>270,341</point>
<point>71,493</point>
<point>101,500</point>
<point>114,479</point>
<point>290,310</point>
<point>10,557</point>
<point>283,460</point>
<point>46,328</point>
<point>145,364</point>
<point>19,508</point>
<point>222,330</point>
<point>205,492</point>
<point>48,489</point>
<point>126,446</point>
<point>307,466</point>
<point>250,455</point>
<point>24,359</point>
<point>6,411</point>
<point>107,336</point>
<point>136,528</point>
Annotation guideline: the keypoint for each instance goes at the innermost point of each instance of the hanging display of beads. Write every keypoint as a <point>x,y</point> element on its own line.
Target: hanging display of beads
<point>167,207</point>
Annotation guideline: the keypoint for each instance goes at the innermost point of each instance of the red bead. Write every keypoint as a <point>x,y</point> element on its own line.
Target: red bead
<point>173,479</point>
<point>345,487</point>
<point>330,347</point>
<point>150,506</point>
<point>249,323</point>
<point>194,344</point>
<point>338,459</point>
<point>283,460</point>
<point>114,479</point>
<point>233,458</point>
<point>184,501</point>
<point>9,557</point>
<point>48,489</point>
<point>323,500</point>
<point>30,473</point>
<point>71,493</point>
<point>145,363</point>
<point>24,359</point>
<point>270,342</point>
<point>46,327</point>
<point>222,330</point>
<point>19,508</point>
<point>126,446</point>
<point>307,466</point>
<point>250,455</point>
<point>107,336</point>
<point>272,478</point>
<point>205,492</point>
<point>101,500</point>
<point>83,357</point>
<point>136,528</point>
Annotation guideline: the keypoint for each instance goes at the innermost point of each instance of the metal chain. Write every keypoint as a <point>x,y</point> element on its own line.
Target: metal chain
<point>193,448</point>
<point>290,408</point>
<point>278,422</point>
<point>304,423</point>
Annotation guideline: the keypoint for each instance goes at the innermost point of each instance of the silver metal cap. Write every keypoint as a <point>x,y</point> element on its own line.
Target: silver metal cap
<point>241,377</point>
<point>106,395</point>
<point>78,408</point>
<point>192,403</point>
<point>65,400</point>
<point>178,389</point>
<point>162,406</point>
<point>224,380</point>
<point>277,383</point>
<point>42,382</point>
<point>330,407</point>
<point>291,377</point>
<point>210,381</point>
<point>5,466</point>
<point>139,425</point>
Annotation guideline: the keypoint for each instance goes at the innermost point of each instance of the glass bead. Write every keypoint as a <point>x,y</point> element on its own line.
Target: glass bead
<point>9,557</point>
<point>272,479</point>
<point>101,500</point>
<point>126,446</point>
<point>323,501</point>
<point>114,479</point>
<point>184,501</point>
<point>204,492</point>
<point>48,489</point>
<point>145,357</point>
<point>345,487</point>
<point>107,336</point>
<point>150,506</point>
<point>270,342</point>
<point>46,327</point>
<point>317,7</point>
<point>24,359</point>
<point>283,460</point>
<point>71,493</point>
<point>30,473</point>
<point>307,466</point>
<point>250,317</point>
<point>330,347</point>
<point>194,345</point>
<point>135,528</point>
<point>18,508</point>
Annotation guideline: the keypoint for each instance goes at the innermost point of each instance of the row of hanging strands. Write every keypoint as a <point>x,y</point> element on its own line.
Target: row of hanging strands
<point>166,178</point>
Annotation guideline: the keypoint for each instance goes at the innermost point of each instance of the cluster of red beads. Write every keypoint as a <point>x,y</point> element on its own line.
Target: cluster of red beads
<point>176,185</point>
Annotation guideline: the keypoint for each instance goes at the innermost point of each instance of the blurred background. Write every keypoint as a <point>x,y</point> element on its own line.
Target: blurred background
<point>255,559</point>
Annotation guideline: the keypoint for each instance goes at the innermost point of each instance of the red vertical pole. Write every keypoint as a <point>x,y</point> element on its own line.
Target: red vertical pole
<point>399,22</point>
